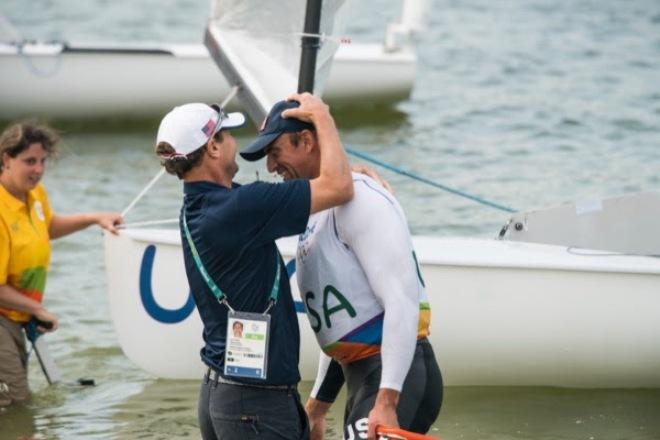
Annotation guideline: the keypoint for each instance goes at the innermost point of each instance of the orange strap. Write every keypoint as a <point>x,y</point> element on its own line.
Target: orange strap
<point>401,434</point>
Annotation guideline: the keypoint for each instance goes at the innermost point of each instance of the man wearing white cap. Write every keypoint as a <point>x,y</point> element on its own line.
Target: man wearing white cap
<point>235,270</point>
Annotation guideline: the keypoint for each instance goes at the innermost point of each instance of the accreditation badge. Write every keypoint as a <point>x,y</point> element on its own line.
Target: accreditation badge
<point>246,351</point>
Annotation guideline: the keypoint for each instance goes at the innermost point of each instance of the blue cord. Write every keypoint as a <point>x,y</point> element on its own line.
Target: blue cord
<point>457,192</point>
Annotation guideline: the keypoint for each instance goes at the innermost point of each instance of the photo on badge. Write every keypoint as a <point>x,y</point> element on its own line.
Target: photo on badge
<point>246,354</point>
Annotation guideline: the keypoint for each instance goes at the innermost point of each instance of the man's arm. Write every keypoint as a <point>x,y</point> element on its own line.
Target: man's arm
<point>62,225</point>
<point>11,298</point>
<point>334,185</point>
<point>375,228</point>
<point>329,380</point>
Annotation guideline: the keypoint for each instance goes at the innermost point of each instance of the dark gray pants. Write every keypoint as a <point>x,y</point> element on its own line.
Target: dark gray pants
<point>419,402</point>
<point>233,412</point>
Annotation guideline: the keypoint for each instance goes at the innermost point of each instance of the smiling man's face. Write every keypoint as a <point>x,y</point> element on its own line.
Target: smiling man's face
<point>289,160</point>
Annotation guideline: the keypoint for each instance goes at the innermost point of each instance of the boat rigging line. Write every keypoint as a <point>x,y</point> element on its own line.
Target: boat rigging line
<point>353,152</point>
<point>148,223</point>
<point>350,150</point>
<point>143,192</point>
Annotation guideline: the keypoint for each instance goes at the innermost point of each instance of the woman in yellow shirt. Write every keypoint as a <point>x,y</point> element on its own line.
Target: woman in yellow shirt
<point>27,224</point>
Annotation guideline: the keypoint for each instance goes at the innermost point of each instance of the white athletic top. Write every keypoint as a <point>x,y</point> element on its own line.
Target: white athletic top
<point>360,282</point>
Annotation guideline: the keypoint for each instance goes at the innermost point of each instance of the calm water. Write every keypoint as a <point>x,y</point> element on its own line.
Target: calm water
<point>527,103</point>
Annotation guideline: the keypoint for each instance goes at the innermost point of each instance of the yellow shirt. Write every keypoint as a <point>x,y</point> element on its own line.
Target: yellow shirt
<point>24,245</point>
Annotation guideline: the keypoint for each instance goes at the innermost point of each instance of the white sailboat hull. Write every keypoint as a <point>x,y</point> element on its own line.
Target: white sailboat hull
<point>85,81</point>
<point>503,313</point>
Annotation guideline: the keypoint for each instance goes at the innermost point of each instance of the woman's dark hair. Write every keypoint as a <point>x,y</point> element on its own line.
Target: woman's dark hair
<point>20,135</point>
<point>181,165</point>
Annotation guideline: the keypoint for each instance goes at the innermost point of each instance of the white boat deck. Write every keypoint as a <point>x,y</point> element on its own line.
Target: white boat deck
<point>503,313</point>
<point>475,252</point>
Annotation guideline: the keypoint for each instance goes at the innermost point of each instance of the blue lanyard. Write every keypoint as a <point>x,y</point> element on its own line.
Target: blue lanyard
<point>217,292</point>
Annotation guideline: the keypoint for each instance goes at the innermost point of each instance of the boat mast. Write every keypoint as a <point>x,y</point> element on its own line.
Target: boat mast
<point>311,42</point>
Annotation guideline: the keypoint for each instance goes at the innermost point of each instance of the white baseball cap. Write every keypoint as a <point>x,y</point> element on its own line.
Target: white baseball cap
<point>189,127</point>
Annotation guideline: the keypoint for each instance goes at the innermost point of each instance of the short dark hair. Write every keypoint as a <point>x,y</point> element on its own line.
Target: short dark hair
<point>295,136</point>
<point>181,165</point>
<point>20,135</point>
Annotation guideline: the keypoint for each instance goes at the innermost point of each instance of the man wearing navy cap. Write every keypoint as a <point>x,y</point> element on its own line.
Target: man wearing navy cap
<point>235,271</point>
<point>363,293</point>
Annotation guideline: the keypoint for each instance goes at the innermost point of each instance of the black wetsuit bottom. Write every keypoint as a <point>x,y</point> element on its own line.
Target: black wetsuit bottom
<point>419,402</point>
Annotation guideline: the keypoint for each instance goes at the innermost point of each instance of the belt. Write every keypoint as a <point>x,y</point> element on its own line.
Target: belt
<point>214,376</point>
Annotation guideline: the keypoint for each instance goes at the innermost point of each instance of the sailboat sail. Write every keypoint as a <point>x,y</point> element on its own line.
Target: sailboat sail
<point>258,48</point>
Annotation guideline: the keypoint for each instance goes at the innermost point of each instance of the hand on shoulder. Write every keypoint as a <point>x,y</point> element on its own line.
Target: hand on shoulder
<point>368,171</point>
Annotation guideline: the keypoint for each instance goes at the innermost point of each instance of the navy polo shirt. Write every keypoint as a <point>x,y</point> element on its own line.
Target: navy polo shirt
<point>234,231</point>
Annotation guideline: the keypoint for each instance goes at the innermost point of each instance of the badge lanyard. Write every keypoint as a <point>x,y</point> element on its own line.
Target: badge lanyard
<point>246,350</point>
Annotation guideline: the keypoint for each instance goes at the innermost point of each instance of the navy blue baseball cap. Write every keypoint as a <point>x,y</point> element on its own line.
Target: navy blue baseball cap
<point>272,128</point>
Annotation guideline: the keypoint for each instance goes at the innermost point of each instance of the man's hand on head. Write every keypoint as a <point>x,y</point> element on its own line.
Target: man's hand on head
<point>311,107</point>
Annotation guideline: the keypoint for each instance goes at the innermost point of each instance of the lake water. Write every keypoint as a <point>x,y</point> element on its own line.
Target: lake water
<point>528,103</point>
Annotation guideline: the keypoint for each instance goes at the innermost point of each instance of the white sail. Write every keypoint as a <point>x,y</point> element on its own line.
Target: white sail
<point>259,48</point>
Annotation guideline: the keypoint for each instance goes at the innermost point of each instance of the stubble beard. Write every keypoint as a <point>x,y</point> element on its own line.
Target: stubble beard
<point>232,169</point>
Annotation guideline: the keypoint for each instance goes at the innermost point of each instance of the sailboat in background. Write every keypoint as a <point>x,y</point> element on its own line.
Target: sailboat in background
<point>39,78</point>
<point>527,309</point>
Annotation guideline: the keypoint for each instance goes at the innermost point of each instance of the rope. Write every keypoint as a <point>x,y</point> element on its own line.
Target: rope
<point>148,223</point>
<point>413,176</point>
<point>230,95</point>
<point>325,37</point>
<point>143,192</point>
<point>37,71</point>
